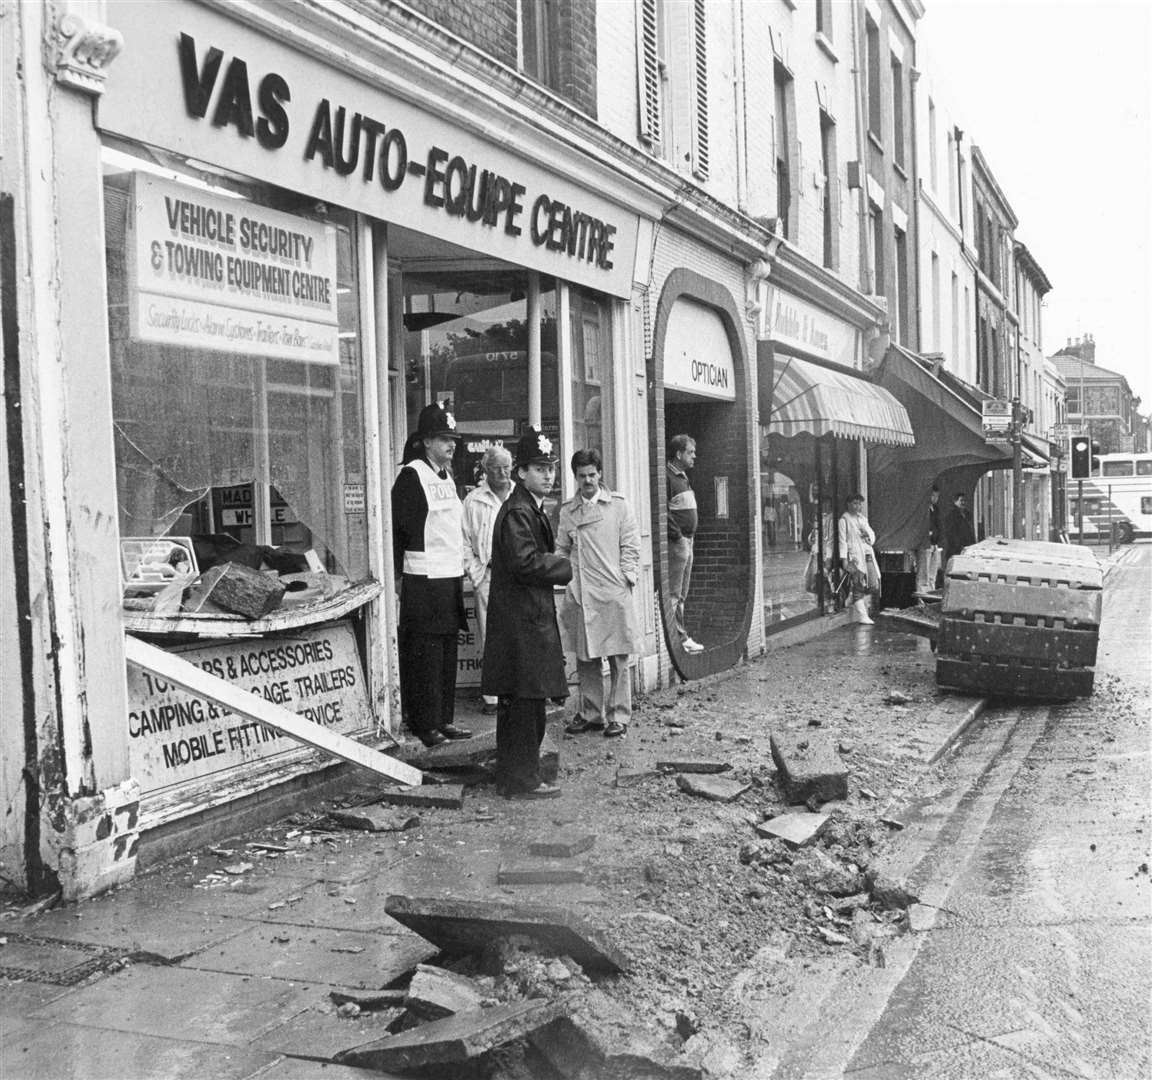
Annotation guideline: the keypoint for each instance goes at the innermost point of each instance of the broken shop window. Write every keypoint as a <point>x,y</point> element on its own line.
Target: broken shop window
<point>236,388</point>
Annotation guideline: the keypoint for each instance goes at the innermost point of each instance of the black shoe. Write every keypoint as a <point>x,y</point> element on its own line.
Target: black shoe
<point>541,791</point>
<point>431,738</point>
<point>614,729</point>
<point>451,731</point>
<point>578,725</point>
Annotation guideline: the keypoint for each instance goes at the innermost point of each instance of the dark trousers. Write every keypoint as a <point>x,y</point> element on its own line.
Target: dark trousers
<point>428,679</point>
<point>520,727</point>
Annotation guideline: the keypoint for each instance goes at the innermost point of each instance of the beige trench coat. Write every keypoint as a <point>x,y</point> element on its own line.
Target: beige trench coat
<point>598,615</point>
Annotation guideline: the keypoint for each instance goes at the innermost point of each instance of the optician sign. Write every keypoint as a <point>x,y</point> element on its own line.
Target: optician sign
<point>697,353</point>
<point>221,92</point>
<point>208,272</point>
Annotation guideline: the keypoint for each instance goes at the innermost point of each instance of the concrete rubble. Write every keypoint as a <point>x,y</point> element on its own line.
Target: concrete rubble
<point>716,788</point>
<point>808,770</point>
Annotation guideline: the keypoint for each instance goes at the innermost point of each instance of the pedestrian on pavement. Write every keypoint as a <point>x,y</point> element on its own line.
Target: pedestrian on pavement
<point>481,505</point>
<point>429,561</point>
<point>858,558</point>
<point>523,659</point>
<point>599,533</point>
<point>928,556</point>
<point>682,522</point>
<point>958,529</point>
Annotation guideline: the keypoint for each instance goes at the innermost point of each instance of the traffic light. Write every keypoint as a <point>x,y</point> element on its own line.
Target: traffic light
<point>1081,456</point>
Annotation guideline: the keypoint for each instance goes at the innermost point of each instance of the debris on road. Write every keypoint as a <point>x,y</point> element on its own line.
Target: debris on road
<point>797,830</point>
<point>806,772</point>
<point>716,788</point>
<point>375,819</point>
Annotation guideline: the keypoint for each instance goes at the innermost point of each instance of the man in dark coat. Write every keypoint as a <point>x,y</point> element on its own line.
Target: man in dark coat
<point>958,529</point>
<point>428,551</point>
<point>523,658</point>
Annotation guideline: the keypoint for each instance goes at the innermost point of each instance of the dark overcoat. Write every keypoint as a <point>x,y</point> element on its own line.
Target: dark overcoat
<point>523,657</point>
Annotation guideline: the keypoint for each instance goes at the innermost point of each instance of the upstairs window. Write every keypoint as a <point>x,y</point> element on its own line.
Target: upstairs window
<point>824,18</point>
<point>787,196</point>
<point>897,111</point>
<point>652,68</point>
<point>538,41</point>
<point>872,47</point>
<point>933,168</point>
<point>831,189</point>
<point>699,90</point>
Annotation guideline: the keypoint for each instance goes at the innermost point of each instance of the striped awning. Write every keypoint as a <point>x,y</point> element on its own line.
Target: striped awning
<point>820,401</point>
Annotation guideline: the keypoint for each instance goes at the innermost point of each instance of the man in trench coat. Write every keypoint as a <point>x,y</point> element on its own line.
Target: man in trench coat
<point>523,659</point>
<point>598,617</point>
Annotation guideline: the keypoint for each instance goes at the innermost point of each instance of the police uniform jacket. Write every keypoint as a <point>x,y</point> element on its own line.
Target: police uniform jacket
<point>523,657</point>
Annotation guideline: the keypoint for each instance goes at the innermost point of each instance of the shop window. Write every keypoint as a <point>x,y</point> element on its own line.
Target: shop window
<point>466,346</point>
<point>591,351</point>
<point>236,377</point>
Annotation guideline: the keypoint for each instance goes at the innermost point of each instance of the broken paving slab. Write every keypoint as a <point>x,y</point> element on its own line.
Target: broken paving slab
<point>563,844</point>
<point>626,778</point>
<point>446,796</point>
<point>435,993</point>
<point>455,1039</point>
<point>456,754</point>
<point>797,830</point>
<point>540,873</point>
<point>469,926</point>
<point>375,819</point>
<point>808,770</point>
<point>692,765</point>
<point>716,788</point>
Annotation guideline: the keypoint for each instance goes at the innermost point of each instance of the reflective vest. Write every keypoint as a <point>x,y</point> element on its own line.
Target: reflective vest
<point>443,554</point>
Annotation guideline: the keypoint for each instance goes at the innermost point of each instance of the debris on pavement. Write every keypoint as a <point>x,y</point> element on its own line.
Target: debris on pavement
<point>435,993</point>
<point>369,1000</point>
<point>806,771</point>
<point>375,819</point>
<point>890,892</point>
<point>447,796</point>
<point>689,765</point>
<point>797,830</point>
<point>563,844</point>
<point>716,788</point>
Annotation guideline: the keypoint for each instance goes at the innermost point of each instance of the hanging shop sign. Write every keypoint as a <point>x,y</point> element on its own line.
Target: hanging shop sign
<point>996,416</point>
<point>207,272</point>
<point>221,92</point>
<point>810,329</point>
<point>697,353</point>
<point>175,737</point>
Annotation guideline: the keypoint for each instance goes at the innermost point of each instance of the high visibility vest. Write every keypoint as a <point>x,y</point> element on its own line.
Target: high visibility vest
<point>443,554</point>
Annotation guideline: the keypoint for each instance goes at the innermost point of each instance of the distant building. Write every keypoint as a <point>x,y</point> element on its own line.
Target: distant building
<point>1100,399</point>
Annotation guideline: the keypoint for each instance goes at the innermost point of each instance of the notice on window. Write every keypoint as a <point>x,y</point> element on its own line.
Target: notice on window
<point>208,272</point>
<point>175,736</point>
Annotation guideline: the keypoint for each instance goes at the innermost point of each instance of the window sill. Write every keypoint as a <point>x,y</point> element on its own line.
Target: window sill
<point>221,625</point>
<point>826,46</point>
<point>900,170</point>
<point>874,139</point>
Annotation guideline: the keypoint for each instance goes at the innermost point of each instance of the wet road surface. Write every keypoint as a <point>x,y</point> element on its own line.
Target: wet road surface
<point>1035,958</point>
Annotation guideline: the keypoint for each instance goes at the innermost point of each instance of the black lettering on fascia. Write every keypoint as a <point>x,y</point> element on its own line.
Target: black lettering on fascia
<point>235,105</point>
<point>198,83</point>
<point>272,128</point>
<point>320,137</point>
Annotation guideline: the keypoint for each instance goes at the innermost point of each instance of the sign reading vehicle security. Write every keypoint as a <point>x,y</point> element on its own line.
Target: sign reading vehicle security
<point>208,272</point>
<point>219,91</point>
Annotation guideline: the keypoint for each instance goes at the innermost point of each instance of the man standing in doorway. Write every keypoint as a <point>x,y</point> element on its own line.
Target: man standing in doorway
<point>428,553</point>
<point>958,529</point>
<point>682,521</point>
<point>481,505</point>
<point>928,557</point>
<point>599,533</point>
<point>523,659</point>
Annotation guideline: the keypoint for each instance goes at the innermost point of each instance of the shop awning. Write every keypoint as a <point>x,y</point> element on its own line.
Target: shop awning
<point>1037,452</point>
<point>808,398</point>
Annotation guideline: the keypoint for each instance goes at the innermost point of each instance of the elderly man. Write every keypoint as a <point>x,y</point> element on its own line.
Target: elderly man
<point>481,505</point>
<point>523,658</point>
<point>599,533</point>
<point>429,562</point>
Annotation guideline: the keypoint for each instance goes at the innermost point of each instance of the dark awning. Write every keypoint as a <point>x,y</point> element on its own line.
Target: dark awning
<point>808,398</point>
<point>950,449</point>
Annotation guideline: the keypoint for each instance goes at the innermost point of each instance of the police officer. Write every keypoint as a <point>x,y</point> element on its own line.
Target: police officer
<point>523,657</point>
<point>428,552</point>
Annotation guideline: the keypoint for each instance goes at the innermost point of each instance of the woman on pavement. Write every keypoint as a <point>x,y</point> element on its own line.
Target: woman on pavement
<point>857,557</point>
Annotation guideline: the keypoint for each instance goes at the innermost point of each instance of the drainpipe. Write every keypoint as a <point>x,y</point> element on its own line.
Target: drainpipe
<point>913,79</point>
<point>866,263</point>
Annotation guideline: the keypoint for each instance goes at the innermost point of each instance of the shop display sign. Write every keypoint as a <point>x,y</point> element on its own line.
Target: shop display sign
<point>796,322</point>
<point>175,736</point>
<point>208,272</point>
<point>697,353</point>
<point>221,92</point>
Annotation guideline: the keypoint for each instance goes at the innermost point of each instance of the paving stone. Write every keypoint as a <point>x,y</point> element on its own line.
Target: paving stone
<point>65,1051</point>
<point>455,1039</point>
<point>458,925</point>
<point>563,844</point>
<point>43,957</point>
<point>921,917</point>
<point>375,819</point>
<point>320,1031</point>
<point>692,765</point>
<point>796,830</point>
<point>810,773</point>
<point>447,796</point>
<point>540,873</point>
<point>715,788</point>
<point>207,1006</point>
<point>435,993</point>
<point>456,754</point>
<point>344,958</point>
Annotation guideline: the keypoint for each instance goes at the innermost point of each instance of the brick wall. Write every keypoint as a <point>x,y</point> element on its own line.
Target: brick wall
<point>490,25</point>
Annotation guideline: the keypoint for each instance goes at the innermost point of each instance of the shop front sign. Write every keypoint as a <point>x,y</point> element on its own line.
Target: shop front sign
<point>175,737</point>
<point>996,417</point>
<point>218,91</point>
<point>810,329</point>
<point>207,272</point>
<point>697,353</point>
